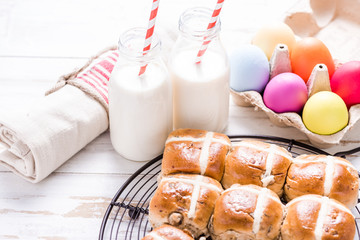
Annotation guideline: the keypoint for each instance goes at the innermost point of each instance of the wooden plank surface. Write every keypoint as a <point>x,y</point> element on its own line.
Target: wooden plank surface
<point>42,39</point>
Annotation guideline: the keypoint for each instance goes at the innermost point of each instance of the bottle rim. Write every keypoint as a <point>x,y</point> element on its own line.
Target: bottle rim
<point>202,14</point>
<point>131,44</point>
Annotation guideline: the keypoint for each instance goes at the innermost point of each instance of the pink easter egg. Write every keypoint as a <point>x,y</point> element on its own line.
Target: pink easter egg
<point>346,83</point>
<point>286,92</point>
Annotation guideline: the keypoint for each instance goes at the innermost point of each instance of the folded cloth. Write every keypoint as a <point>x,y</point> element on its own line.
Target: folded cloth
<point>35,142</point>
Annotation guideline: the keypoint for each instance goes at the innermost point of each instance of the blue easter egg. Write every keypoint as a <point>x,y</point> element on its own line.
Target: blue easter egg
<point>249,69</point>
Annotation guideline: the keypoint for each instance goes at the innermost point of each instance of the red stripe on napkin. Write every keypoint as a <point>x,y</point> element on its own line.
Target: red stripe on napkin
<point>96,89</point>
<point>100,72</point>
<point>107,65</point>
<point>98,75</point>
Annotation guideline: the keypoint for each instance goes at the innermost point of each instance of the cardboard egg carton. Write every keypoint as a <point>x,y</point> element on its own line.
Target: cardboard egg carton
<point>337,24</point>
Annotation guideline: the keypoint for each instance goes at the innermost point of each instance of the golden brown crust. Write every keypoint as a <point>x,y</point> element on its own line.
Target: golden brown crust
<point>173,199</point>
<point>167,232</point>
<point>181,157</point>
<point>345,185</point>
<point>338,225</point>
<point>271,223</point>
<point>243,166</point>
<point>188,132</point>
<point>303,215</point>
<point>247,165</point>
<point>300,220</point>
<point>184,156</point>
<point>232,211</point>
<point>307,175</point>
<point>234,214</point>
<point>305,178</point>
<point>216,163</point>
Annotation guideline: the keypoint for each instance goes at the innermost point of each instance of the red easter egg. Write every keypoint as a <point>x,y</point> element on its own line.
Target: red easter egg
<point>346,83</point>
<point>308,52</point>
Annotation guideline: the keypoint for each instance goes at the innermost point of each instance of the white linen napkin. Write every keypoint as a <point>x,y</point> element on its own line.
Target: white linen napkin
<point>35,142</point>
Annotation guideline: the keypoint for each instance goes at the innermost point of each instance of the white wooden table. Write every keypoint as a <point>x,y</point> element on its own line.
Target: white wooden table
<point>43,39</point>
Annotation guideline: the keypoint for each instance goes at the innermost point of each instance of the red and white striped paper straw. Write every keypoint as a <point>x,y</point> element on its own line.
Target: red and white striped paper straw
<point>212,23</point>
<point>149,32</point>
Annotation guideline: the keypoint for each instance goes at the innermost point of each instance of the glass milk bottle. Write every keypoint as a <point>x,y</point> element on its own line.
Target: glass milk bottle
<point>140,107</point>
<point>201,90</point>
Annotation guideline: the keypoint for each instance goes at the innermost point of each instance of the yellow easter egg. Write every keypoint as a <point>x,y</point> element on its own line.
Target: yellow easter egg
<point>325,113</point>
<point>273,34</point>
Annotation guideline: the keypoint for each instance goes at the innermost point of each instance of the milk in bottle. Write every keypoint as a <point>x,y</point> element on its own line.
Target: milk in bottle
<point>201,91</point>
<point>140,107</point>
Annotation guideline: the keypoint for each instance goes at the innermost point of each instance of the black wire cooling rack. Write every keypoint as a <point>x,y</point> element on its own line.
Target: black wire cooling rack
<point>127,215</point>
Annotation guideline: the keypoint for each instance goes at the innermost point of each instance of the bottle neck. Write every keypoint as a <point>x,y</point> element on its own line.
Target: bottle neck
<point>131,44</point>
<point>194,22</point>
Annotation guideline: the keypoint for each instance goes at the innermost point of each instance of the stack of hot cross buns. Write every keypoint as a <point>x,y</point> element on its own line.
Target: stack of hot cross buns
<point>211,187</point>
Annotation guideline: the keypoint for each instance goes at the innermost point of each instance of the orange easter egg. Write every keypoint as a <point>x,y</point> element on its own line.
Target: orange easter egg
<point>308,52</point>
